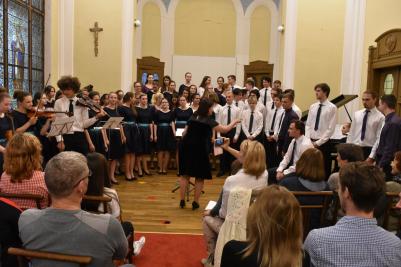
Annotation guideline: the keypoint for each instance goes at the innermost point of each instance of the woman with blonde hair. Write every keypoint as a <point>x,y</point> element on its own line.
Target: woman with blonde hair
<point>23,170</point>
<point>274,233</point>
<point>253,175</point>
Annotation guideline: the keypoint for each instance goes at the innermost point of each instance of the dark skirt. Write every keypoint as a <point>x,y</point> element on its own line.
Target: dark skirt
<point>49,148</point>
<point>165,138</point>
<point>97,140</point>
<point>116,148</point>
<point>145,147</point>
<point>132,134</point>
<point>194,159</point>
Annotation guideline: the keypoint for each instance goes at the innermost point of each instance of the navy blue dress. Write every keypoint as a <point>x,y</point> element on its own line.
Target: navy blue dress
<point>145,120</point>
<point>5,125</point>
<point>131,129</point>
<point>95,133</point>
<point>165,135</point>
<point>116,147</point>
<point>182,116</point>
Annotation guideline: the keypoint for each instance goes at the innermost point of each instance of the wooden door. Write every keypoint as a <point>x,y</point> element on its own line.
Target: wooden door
<point>257,70</point>
<point>390,83</point>
<point>151,65</point>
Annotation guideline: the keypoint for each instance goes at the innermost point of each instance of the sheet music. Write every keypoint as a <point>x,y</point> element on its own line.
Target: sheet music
<point>210,205</point>
<point>61,126</point>
<point>179,132</point>
<point>113,123</point>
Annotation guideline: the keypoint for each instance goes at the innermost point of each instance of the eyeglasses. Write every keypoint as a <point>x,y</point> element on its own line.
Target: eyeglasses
<point>83,178</point>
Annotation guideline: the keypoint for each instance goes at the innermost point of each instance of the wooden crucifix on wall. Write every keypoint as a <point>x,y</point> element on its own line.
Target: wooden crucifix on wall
<point>96,31</point>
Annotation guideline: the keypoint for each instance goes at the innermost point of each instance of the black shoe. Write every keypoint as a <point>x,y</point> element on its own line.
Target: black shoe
<point>159,172</point>
<point>147,173</point>
<point>129,179</point>
<point>115,182</point>
<point>182,204</point>
<point>140,174</point>
<point>195,205</point>
<point>164,173</point>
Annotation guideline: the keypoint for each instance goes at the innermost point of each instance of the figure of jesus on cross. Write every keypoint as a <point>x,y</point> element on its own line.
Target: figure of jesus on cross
<point>96,31</point>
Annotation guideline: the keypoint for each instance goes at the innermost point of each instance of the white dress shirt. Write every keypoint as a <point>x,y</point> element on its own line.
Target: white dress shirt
<point>259,107</point>
<point>216,109</point>
<point>269,120</point>
<point>297,110</point>
<point>257,124</point>
<point>327,122</point>
<point>374,125</point>
<point>240,104</point>
<point>81,116</point>
<point>265,92</point>
<point>303,143</point>
<point>235,114</point>
<point>200,91</point>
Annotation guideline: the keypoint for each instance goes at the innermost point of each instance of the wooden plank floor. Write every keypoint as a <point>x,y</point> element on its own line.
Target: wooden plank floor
<point>151,206</point>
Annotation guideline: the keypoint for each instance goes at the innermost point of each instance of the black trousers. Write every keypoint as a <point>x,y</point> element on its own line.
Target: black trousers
<point>76,142</point>
<point>366,151</point>
<point>226,158</point>
<point>271,153</point>
<point>326,151</point>
<point>272,174</point>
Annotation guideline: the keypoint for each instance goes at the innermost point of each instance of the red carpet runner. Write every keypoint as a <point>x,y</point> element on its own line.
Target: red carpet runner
<point>171,250</point>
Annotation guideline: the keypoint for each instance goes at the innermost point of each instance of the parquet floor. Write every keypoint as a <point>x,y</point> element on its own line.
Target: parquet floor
<point>152,207</point>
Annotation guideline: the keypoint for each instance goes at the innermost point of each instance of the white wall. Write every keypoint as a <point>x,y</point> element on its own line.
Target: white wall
<point>202,66</point>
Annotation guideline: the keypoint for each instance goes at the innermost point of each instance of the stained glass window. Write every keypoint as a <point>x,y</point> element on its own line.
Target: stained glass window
<point>21,34</point>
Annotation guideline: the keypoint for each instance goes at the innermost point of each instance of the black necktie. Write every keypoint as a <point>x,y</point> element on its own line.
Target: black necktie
<point>318,117</point>
<point>273,121</point>
<point>264,100</point>
<point>71,109</point>
<point>293,154</point>
<point>364,122</point>
<point>229,115</point>
<point>250,123</point>
<point>236,103</point>
<point>272,105</point>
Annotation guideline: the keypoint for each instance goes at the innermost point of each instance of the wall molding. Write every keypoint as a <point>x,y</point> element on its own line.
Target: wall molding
<point>290,39</point>
<point>351,73</point>
<point>48,41</point>
<point>127,20</point>
<point>66,37</point>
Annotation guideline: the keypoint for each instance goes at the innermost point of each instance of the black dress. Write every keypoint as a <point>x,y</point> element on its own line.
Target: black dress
<point>196,147</point>
<point>233,255</point>
<point>182,116</point>
<point>20,119</point>
<point>49,144</point>
<point>145,120</point>
<point>5,125</point>
<point>116,147</point>
<point>165,134</point>
<point>131,130</point>
<point>95,133</point>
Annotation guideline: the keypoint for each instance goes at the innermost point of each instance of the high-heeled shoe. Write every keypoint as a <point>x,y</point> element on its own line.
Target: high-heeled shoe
<point>115,182</point>
<point>129,179</point>
<point>182,203</point>
<point>195,205</point>
<point>159,172</point>
<point>147,173</point>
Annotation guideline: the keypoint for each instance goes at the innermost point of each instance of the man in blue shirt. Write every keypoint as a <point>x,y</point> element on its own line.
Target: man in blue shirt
<point>356,240</point>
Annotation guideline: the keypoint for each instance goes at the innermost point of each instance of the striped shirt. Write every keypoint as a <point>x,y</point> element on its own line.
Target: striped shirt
<point>36,185</point>
<point>352,242</point>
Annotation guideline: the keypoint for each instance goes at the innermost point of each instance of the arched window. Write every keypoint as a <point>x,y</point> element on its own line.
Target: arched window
<point>21,44</point>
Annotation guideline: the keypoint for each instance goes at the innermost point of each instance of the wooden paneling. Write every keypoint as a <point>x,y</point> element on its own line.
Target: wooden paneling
<point>150,65</point>
<point>258,69</point>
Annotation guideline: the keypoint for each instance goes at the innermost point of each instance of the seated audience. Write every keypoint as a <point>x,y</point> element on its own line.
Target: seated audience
<point>345,153</point>
<point>99,185</point>
<point>356,240</point>
<point>274,226</point>
<point>309,177</point>
<point>253,175</point>
<point>23,170</point>
<point>396,167</point>
<point>9,235</point>
<point>64,227</point>
<point>298,145</point>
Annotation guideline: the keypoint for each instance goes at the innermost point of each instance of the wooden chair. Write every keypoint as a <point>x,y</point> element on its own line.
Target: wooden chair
<point>104,200</point>
<point>25,255</point>
<point>328,198</point>
<point>36,198</point>
<point>392,199</point>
